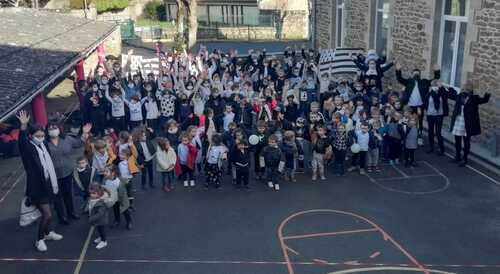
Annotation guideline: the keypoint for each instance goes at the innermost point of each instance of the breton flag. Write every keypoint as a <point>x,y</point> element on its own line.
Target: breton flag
<point>147,65</point>
<point>338,61</point>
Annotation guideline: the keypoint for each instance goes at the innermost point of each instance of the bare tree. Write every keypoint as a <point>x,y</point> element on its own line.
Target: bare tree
<point>10,3</point>
<point>282,11</point>
<point>187,23</point>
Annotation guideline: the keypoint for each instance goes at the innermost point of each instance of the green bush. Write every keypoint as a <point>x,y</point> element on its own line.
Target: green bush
<point>110,5</point>
<point>154,11</point>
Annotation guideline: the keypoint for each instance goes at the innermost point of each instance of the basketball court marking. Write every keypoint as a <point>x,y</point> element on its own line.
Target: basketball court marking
<point>238,262</point>
<point>84,251</point>
<point>374,227</point>
<point>476,170</point>
<point>405,176</point>
<point>387,268</point>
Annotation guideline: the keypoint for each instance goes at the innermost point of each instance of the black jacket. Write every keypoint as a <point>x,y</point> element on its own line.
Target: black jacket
<point>471,110</point>
<point>423,85</point>
<point>443,99</point>
<point>37,188</point>
<point>151,147</point>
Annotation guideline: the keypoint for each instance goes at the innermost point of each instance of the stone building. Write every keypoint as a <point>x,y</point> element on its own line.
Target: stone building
<point>462,36</point>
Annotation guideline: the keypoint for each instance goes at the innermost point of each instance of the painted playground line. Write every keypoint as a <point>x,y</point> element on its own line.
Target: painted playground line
<point>373,228</point>
<point>436,173</point>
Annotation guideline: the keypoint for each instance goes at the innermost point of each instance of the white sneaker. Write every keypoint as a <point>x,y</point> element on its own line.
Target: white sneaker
<point>186,183</point>
<point>314,177</point>
<point>192,183</point>
<point>101,245</point>
<point>97,240</point>
<point>323,178</point>
<point>52,236</point>
<point>270,184</point>
<point>41,246</point>
<point>276,187</point>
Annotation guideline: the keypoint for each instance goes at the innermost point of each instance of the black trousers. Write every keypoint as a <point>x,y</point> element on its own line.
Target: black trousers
<point>147,173</point>
<point>409,156</point>
<point>339,163</point>
<point>394,148</point>
<point>116,212</point>
<point>63,202</point>
<point>187,173</point>
<point>242,175</point>
<point>118,123</point>
<point>435,124</point>
<point>359,159</point>
<point>458,147</point>
<point>102,232</point>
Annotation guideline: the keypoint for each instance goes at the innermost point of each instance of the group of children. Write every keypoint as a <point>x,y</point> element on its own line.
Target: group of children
<point>211,114</point>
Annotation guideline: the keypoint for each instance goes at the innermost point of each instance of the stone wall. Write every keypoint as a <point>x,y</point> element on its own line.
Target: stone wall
<point>323,19</point>
<point>237,33</point>
<point>356,23</point>
<point>412,33</point>
<point>296,25</point>
<point>485,49</point>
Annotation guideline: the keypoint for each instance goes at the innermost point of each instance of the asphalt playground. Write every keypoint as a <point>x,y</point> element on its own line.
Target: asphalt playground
<point>436,218</point>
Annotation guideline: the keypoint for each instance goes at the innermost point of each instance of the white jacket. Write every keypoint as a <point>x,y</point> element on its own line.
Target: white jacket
<point>165,159</point>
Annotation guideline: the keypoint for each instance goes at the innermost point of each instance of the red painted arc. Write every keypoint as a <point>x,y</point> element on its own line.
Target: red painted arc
<point>374,225</point>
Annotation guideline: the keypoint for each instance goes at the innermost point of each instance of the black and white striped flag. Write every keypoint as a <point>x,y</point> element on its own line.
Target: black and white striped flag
<point>338,61</point>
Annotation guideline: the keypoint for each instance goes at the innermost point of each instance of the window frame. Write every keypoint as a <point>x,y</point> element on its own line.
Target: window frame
<point>339,10</point>
<point>375,32</point>
<point>457,20</point>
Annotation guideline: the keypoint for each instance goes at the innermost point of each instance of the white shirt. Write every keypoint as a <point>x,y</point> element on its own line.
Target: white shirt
<point>124,170</point>
<point>415,98</point>
<point>363,139</point>
<point>135,111</point>
<point>147,153</point>
<point>151,109</point>
<point>431,109</point>
<point>228,118</point>
<point>215,154</point>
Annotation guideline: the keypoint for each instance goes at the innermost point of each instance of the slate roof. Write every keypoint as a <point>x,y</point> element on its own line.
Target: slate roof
<point>37,44</point>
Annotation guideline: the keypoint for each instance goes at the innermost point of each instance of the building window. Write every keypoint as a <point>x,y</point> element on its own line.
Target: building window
<point>339,24</point>
<point>453,34</point>
<point>382,25</point>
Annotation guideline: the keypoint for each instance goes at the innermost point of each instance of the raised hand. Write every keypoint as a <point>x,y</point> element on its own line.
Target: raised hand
<point>23,117</point>
<point>398,66</point>
<point>86,128</point>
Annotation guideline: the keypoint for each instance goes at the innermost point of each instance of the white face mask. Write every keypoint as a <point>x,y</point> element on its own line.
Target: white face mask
<point>38,140</point>
<point>54,132</point>
<point>130,85</point>
<point>80,169</point>
<point>434,88</point>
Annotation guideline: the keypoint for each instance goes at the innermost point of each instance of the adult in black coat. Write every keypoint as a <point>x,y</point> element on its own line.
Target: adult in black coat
<point>41,179</point>
<point>465,120</point>
<point>416,83</point>
<point>436,107</point>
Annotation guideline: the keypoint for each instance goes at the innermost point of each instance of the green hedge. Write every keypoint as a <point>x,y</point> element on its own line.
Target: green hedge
<point>110,5</point>
<point>101,5</point>
<point>154,11</point>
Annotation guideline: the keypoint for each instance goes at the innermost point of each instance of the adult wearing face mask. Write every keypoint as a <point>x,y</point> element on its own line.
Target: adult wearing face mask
<point>416,89</point>
<point>436,108</point>
<point>60,146</point>
<point>41,179</point>
<point>372,69</point>
<point>465,121</point>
